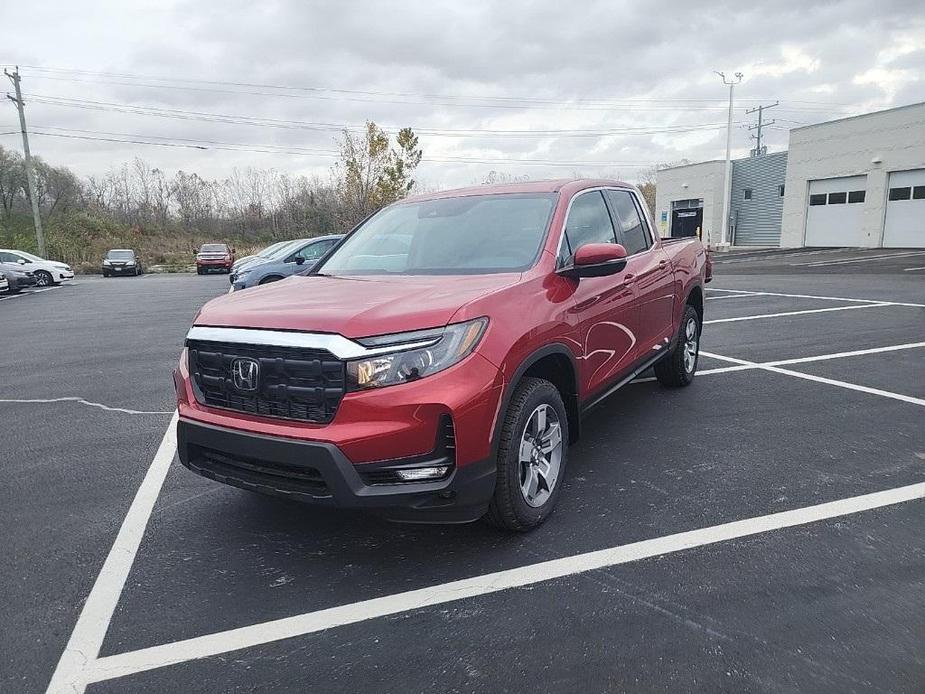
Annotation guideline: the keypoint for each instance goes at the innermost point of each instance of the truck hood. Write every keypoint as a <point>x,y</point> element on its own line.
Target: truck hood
<point>351,306</point>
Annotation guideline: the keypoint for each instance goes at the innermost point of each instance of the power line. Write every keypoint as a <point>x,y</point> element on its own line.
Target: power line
<point>491,101</point>
<point>237,119</point>
<point>281,149</point>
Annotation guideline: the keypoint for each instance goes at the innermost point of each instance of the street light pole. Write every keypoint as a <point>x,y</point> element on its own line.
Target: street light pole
<point>727,179</point>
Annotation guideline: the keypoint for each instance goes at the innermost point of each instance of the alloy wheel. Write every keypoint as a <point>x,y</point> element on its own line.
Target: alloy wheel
<point>690,345</point>
<point>540,455</point>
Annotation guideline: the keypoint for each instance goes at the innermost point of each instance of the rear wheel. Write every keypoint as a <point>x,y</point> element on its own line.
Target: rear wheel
<point>531,457</point>
<point>43,278</point>
<point>679,367</point>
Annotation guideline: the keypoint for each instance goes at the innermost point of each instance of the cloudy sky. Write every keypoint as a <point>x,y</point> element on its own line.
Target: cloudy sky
<point>542,89</point>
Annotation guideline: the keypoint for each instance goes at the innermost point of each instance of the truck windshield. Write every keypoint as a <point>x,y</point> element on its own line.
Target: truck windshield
<point>472,234</point>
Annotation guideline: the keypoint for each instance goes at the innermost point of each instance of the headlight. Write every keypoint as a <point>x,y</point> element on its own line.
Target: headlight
<point>107,262</point>
<point>449,346</point>
<point>129,262</point>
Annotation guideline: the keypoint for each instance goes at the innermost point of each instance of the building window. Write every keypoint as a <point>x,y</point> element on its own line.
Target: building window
<point>837,198</point>
<point>856,196</point>
<point>818,199</point>
<point>748,193</point>
<point>918,193</point>
<point>900,193</point>
<point>780,191</point>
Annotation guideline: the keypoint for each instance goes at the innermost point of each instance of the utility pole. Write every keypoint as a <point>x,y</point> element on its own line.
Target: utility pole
<point>727,179</point>
<point>30,169</point>
<point>760,111</point>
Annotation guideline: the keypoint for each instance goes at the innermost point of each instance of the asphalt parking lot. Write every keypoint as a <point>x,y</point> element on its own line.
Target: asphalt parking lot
<point>760,531</point>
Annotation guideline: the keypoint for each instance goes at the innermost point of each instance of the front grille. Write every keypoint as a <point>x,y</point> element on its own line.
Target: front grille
<point>293,383</point>
<point>280,477</point>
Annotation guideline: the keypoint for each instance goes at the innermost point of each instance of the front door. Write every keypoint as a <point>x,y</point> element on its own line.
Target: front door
<point>604,310</point>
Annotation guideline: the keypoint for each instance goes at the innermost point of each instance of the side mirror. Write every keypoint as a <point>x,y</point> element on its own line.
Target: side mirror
<point>299,260</point>
<point>22,261</point>
<point>597,260</point>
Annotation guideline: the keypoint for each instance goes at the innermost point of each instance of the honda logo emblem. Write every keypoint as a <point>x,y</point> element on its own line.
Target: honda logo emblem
<point>244,373</point>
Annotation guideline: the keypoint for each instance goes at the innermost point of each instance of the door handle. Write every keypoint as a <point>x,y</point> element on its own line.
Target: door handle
<point>662,263</point>
<point>629,279</point>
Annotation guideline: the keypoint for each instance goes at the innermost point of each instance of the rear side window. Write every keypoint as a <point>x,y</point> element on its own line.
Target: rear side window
<point>631,231</point>
<point>314,251</point>
<point>588,222</point>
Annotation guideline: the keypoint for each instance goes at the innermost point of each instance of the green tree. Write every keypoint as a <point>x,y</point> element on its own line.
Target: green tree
<point>372,172</point>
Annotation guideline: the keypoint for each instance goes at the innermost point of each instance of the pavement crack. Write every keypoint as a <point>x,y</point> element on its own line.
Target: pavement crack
<point>88,403</point>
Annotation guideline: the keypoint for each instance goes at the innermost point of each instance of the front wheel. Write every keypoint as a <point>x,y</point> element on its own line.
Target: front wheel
<point>43,278</point>
<point>531,457</point>
<point>678,368</point>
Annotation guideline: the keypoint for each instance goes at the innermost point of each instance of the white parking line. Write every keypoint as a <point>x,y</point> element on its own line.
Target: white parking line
<point>818,379</point>
<point>214,644</point>
<point>83,648</point>
<point>868,259</point>
<point>750,366</point>
<point>913,269</point>
<point>793,313</point>
<point>816,296</point>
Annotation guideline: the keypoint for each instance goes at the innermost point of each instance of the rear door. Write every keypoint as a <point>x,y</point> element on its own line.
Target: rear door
<point>648,268</point>
<point>604,309</point>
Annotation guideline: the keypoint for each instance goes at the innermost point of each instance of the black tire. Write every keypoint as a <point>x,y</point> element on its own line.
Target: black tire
<point>675,370</point>
<point>43,278</point>
<point>198,270</point>
<point>105,274</point>
<point>509,508</point>
<point>270,278</point>
<point>14,288</point>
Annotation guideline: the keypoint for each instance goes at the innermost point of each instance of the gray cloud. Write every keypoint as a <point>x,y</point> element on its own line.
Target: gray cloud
<point>821,60</point>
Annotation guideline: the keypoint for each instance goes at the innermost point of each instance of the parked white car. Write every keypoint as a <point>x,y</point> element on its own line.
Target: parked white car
<point>47,272</point>
<point>4,284</point>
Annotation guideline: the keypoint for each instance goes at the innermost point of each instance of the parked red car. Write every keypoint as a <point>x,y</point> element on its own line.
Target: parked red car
<point>214,256</point>
<point>436,365</point>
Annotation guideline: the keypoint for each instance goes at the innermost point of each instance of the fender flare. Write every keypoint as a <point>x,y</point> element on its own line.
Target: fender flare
<point>572,408</point>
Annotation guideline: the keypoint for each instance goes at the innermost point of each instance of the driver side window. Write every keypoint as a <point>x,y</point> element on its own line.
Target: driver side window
<point>588,222</point>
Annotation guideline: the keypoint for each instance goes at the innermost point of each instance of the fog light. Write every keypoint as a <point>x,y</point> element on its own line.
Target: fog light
<point>422,473</point>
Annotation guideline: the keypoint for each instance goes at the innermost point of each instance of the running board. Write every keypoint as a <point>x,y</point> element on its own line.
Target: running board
<point>649,363</point>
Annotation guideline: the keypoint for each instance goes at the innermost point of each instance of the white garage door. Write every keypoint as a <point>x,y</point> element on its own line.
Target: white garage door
<point>836,207</point>
<point>905,210</point>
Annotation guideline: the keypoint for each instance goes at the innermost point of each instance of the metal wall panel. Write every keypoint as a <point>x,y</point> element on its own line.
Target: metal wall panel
<point>757,221</point>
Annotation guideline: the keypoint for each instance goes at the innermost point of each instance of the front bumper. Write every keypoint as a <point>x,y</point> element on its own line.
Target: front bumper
<point>119,269</point>
<point>214,265</point>
<point>319,472</point>
<point>382,427</point>
<point>22,282</point>
<point>64,275</point>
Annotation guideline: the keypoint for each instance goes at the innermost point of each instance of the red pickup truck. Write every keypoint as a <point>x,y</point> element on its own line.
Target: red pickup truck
<point>435,365</point>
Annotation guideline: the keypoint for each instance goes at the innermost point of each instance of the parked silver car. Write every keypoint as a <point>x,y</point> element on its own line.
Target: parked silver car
<point>289,259</point>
